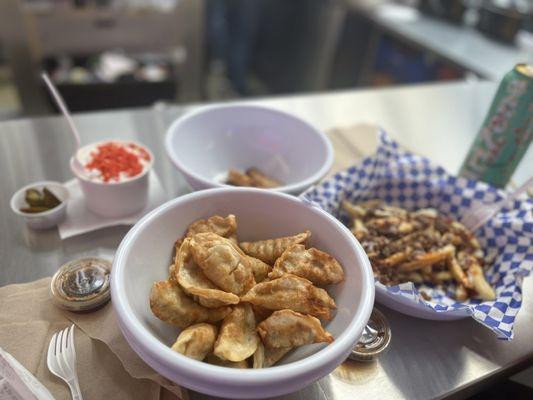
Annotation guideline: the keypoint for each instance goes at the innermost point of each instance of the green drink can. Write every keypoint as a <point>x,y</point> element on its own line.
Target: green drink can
<point>506,132</point>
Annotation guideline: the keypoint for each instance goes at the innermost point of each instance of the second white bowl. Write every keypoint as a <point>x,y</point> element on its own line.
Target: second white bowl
<point>206,143</point>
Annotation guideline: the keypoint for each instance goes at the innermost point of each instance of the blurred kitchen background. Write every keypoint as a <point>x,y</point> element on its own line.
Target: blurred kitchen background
<point>106,54</point>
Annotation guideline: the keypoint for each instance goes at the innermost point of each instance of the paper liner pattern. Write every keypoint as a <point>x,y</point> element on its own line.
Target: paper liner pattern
<point>412,181</point>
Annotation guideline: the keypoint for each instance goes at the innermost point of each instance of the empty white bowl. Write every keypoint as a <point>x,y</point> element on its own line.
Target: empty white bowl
<point>115,199</point>
<point>45,219</point>
<point>145,253</point>
<point>206,143</point>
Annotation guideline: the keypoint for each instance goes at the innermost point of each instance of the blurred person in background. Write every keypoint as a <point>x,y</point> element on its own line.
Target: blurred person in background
<point>232,27</point>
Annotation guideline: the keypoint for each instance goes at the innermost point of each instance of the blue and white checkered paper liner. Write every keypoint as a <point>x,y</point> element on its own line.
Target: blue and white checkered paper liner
<point>412,182</point>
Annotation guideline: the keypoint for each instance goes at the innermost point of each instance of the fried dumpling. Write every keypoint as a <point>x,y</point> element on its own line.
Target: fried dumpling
<point>294,293</point>
<point>221,261</point>
<point>312,264</point>
<point>212,359</point>
<point>261,180</point>
<point>193,281</point>
<point>170,304</point>
<point>259,269</point>
<point>222,226</point>
<point>172,276</point>
<point>270,250</point>
<point>196,341</point>
<point>261,313</point>
<point>238,337</point>
<point>286,328</point>
<point>267,356</point>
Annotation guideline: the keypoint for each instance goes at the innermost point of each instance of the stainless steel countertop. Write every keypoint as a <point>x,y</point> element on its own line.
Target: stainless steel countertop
<point>426,359</point>
<point>462,45</point>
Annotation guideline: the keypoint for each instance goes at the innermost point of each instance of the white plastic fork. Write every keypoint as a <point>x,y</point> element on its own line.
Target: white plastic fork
<point>477,216</point>
<point>61,360</point>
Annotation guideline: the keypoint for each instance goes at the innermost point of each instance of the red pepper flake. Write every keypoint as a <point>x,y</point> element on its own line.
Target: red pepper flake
<point>111,159</point>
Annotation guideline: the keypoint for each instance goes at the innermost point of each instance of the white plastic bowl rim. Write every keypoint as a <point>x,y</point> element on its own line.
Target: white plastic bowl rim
<point>292,188</point>
<point>164,355</point>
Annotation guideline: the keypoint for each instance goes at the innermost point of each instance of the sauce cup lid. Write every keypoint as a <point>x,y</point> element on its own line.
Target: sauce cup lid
<point>82,284</point>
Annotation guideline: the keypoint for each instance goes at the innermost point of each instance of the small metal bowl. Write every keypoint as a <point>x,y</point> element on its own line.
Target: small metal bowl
<point>375,339</point>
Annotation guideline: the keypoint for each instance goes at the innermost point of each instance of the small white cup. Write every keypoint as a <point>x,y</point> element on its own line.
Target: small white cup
<point>115,199</point>
<point>46,219</point>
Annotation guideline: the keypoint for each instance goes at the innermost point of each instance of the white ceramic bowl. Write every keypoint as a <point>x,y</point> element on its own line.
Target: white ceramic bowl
<point>46,219</point>
<point>115,199</point>
<point>145,253</point>
<point>206,143</point>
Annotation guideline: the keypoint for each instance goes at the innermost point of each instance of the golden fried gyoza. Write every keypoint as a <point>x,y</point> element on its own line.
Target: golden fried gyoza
<point>238,337</point>
<point>212,359</point>
<point>261,313</point>
<point>222,226</point>
<point>312,264</point>
<point>222,263</point>
<point>238,178</point>
<point>286,328</point>
<point>270,250</point>
<point>259,268</point>
<point>261,180</point>
<point>193,281</point>
<point>267,356</point>
<point>196,341</point>
<point>170,304</point>
<point>294,293</point>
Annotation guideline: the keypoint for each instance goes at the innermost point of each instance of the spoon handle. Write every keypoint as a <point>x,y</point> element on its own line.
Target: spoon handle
<point>62,106</point>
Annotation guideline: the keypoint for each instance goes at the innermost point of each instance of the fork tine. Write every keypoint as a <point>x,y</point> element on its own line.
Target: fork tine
<point>57,352</point>
<point>72,348</point>
<point>51,349</point>
<point>63,361</point>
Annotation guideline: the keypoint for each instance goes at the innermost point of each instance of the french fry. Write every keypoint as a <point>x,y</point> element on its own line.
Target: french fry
<point>481,286</point>
<point>405,227</point>
<point>442,276</point>
<point>373,203</point>
<point>355,211</point>
<point>390,211</point>
<point>414,277</point>
<point>428,259</point>
<point>382,224</point>
<point>411,237</point>
<point>425,296</point>
<point>359,229</point>
<point>395,259</point>
<point>460,293</point>
<point>457,272</point>
<point>427,212</point>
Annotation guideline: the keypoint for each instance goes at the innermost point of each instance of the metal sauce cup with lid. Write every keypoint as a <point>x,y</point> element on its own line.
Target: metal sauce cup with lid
<point>81,285</point>
<point>375,339</point>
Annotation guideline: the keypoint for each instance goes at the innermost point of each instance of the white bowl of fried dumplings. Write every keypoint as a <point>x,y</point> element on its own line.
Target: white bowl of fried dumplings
<point>210,144</point>
<point>241,292</point>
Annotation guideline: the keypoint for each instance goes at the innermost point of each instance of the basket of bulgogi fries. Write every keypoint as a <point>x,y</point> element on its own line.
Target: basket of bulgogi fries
<point>406,214</point>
